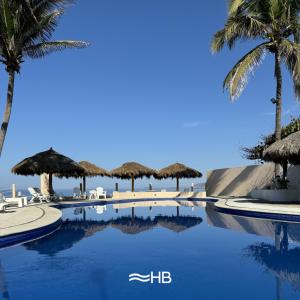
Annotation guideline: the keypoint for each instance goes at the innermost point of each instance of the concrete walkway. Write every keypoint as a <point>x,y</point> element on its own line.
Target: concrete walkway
<point>18,220</point>
<point>253,205</point>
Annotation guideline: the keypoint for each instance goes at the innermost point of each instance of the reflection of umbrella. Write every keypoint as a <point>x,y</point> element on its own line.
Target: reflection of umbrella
<point>138,224</point>
<point>66,236</point>
<point>132,170</point>
<point>178,171</point>
<point>284,265</point>
<point>132,226</point>
<point>178,224</point>
<point>285,151</point>
<point>49,162</point>
<point>91,170</point>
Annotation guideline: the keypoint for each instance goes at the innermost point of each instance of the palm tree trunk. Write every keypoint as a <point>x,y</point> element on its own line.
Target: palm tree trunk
<point>7,112</point>
<point>278,77</point>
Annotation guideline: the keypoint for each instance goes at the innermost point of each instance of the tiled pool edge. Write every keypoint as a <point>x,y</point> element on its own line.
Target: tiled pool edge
<point>29,235</point>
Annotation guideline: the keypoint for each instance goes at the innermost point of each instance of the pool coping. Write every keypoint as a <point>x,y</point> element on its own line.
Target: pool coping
<point>269,211</point>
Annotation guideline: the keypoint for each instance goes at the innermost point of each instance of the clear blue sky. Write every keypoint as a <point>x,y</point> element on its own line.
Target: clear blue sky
<point>148,89</point>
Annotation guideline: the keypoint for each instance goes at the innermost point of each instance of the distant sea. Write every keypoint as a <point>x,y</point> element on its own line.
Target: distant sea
<point>69,192</point>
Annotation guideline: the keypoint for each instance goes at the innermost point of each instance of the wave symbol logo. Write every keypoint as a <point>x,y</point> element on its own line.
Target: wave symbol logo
<point>162,277</point>
<point>139,277</point>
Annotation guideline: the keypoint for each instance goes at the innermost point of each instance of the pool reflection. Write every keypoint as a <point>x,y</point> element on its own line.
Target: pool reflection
<point>279,259</point>
<point>78,226</point>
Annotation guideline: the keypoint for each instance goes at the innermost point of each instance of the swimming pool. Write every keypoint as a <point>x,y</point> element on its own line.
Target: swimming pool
<point>207,254</point>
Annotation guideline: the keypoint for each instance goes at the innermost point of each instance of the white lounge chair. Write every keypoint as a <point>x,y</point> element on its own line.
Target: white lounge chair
<point>37,195</point>
<point>20,201</point>
<point>4,204</point>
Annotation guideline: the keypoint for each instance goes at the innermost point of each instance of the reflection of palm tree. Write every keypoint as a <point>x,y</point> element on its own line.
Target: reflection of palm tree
<point>3,285</point>
<point>284,264</point>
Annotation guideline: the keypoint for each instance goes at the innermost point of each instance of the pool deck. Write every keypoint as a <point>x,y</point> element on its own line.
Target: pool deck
<point>257,208</point>
<point>29,218</point>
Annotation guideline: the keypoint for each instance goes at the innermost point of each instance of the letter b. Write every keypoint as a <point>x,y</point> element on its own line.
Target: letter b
<point>166,277</point>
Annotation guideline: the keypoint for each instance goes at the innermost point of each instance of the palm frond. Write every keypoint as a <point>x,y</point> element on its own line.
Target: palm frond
<point>234,5</point>
<point>218,41</point>
<point>45,48</point>
<point>236,79</point>
<point>290,52</point>
<point>238,27</point>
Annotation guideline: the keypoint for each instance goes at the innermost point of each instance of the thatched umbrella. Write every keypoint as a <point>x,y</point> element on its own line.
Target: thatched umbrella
<point>132,226</point>
<point>177,171</point>
<point>49,162</point>
<point>91,170</point>
<point>132,170</point>
<point>179,223</point>
<point>285,151</point>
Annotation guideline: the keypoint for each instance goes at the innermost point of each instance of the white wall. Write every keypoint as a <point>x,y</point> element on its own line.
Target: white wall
<point>240,181</point>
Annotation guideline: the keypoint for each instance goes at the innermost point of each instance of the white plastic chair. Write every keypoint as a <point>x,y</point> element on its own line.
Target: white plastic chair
<point>100,192</point>
<point>97,193</point>
<point>92,194</point>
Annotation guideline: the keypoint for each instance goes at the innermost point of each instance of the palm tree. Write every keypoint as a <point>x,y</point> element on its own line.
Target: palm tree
<point>26,27</point>
<point>275,23</point>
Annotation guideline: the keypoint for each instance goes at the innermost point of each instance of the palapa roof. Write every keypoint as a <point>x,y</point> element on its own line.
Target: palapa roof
<point>129,169</point>
<point>178,170</point>
<point>130,225</point>
<point>48,162</point>
<point>139,224</point>
<point>287,149</point>
<point>92,170</point>
<point>178,224</point>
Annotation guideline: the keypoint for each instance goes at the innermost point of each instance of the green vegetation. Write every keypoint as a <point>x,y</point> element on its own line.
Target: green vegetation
<point>275,25</point>
<point>255,153</point>
<point>26,28</point>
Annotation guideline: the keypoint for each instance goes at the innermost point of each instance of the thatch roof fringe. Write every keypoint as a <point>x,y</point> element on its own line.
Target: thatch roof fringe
<point>132,169</point>
<point>286,150</point>
<point>92,170</point>
<point>49,162</point>
<point>177,170</point>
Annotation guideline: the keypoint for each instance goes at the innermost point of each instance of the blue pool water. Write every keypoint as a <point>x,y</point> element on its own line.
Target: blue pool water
<point>208,254</point>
